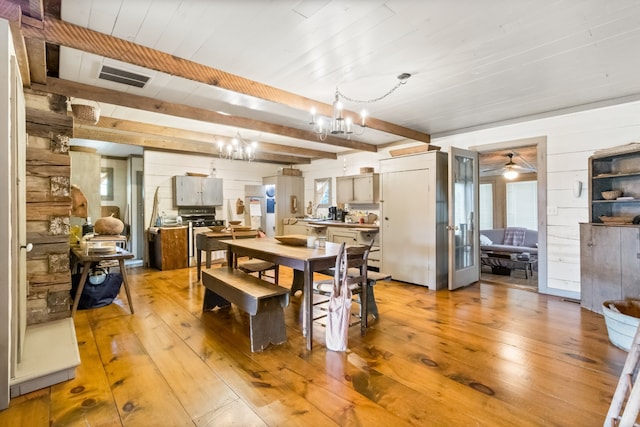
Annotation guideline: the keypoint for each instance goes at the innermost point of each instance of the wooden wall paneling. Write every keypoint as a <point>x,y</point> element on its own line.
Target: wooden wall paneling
<point>48,204</point>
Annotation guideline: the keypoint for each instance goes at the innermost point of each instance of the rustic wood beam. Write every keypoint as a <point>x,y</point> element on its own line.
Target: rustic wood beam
<point>78,90</point>
<point>36,52</point>
<point>12,13</point>
<point>413,150</point>
<point>164,144</point>
<point>110,123</point>
<point>70,35</point>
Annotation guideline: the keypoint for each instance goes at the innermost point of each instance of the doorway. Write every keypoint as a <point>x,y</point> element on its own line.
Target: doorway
<point>517,201</point>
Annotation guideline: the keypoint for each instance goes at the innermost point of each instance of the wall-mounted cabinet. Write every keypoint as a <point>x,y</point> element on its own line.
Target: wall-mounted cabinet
<point>619,171</point>
<point>353,189</point>
<point>198,191</point>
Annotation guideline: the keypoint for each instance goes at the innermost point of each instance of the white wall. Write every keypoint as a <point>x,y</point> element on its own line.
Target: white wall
<point>160,168</point>
<point>571,139</point>
<point>6,48</point>
<point>120,189</point>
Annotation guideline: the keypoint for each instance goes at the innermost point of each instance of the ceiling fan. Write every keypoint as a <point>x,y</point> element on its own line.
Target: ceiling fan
<point>510,170</point>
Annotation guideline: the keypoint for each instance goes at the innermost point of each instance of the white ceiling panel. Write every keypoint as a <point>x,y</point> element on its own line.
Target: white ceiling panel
<point>473,63</point>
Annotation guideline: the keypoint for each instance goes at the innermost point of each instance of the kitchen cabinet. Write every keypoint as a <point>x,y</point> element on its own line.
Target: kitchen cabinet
<point>414,218</point>
<point>297,228</point>
<point>616,169</point>
<point>609,264</point>
<point>358,236</point>
<point>170,248</point>
<point>289,201</point>
<point>363,188</point>
<point>198,191</point>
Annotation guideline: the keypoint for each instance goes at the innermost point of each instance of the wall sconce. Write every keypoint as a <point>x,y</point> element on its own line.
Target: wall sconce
<point>577,189</point>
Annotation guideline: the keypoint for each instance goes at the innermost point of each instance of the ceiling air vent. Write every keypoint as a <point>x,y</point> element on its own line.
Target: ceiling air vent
<point>122,76</point>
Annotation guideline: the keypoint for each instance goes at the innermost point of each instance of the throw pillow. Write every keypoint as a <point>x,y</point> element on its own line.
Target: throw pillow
<point>485,241</point>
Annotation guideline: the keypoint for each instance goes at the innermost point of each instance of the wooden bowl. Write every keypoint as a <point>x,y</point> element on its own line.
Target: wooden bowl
<point>235,222</point>
<point>217,227</point>
<point>611,195</point>
<point>617,219</point>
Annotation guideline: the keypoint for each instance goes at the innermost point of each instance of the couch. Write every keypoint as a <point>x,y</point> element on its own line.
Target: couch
<point>517,240</point>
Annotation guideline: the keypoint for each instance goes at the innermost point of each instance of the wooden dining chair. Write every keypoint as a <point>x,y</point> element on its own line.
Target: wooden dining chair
<point>356,273</point>
<point>254,265</point>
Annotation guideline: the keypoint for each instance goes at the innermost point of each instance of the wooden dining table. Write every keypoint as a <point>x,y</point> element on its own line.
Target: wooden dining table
<point>307,260</point>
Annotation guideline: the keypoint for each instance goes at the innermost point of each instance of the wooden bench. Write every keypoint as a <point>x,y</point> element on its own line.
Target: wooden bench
<point>263,301</point>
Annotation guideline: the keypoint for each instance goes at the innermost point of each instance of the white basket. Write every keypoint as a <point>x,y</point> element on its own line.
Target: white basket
<point>620,327</point>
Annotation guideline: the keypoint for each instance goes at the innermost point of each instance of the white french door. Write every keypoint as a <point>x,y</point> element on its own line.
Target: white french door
<point>464,240</point>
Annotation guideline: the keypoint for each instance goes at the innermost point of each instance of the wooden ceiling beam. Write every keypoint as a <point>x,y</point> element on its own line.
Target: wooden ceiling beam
<point>182,134</point>
<point>79,90</point>
<point>13,13</point>
<point>65,34</point>
<point>173,145</point>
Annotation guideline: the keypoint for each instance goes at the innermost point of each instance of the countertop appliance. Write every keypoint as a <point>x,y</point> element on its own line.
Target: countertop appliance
<point>198,220</point>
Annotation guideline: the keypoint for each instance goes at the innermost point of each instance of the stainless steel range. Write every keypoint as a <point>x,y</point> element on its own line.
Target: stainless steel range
<point>198,220</point>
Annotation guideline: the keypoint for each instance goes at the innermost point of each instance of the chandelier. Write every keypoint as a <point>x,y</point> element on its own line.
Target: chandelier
<point>338,124</point>
<point>237,149</point>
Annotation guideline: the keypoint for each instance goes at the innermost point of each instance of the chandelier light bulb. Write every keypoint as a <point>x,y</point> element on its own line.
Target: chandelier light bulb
<point>363,116</point>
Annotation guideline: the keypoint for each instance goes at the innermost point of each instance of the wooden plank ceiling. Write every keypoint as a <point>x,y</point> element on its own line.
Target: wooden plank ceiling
<point>221,67</point>
<point>42,33</point>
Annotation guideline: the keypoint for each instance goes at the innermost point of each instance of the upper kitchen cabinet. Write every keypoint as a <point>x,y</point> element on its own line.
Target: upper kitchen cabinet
<point>616,173</point>
<point>363,188</point>
<point>198,191</point>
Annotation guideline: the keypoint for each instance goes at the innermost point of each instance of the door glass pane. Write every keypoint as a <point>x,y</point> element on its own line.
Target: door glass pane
<point>463,215</point>
<point>522,204</point>
<point>486,207</point>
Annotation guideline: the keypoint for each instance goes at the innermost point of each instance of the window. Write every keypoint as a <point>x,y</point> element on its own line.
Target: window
<point>322,192</point>
<point>486,207</point>
<point>106,183</point>
<point>522,204</point>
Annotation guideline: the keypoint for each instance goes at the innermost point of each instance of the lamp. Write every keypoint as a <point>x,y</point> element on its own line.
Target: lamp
<point>237,149</point>
<point>509,173</point>
<point>339,125</point>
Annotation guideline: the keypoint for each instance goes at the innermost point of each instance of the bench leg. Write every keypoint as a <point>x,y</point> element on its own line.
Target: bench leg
<point>267,325</point>
<point>212,300</point>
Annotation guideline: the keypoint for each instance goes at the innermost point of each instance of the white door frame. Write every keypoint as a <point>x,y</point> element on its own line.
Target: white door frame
<point>541,145</point>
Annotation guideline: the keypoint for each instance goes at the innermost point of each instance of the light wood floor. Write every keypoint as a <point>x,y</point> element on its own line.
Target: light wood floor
<point>485,355</point>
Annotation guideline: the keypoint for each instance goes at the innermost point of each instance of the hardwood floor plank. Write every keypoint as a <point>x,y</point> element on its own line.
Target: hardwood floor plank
<point>255,385</point>
<point>489,355</point>
<point>29,410</point>
<point>87,399</point>
<point>139,388</point>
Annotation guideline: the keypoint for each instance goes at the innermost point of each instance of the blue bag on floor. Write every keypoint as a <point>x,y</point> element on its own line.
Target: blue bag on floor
<point>99,290</point>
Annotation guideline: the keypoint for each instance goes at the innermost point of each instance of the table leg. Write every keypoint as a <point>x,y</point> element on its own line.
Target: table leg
<point>307,327</point>
<point>198,261</point>
<point>76,299</point>
<point>230,258</point>
<point>125,281</point>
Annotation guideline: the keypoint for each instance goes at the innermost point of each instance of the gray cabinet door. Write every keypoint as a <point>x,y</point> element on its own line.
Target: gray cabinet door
<point>198,191</point>
<point>212,192</point>
<point>600,265</point>
<point>630,257</point>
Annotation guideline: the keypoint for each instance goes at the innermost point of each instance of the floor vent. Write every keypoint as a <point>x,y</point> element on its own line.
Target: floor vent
<point>121,76</point>
<point>572,300</point>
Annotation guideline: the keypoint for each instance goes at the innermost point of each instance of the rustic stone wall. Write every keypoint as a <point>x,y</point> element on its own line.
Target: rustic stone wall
<point>48,172</point>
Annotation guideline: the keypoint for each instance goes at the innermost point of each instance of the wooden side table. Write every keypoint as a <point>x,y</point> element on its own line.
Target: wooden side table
<point>87,259</point>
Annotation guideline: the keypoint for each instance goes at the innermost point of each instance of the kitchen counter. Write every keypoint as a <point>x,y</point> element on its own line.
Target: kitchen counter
<point>344,224</point>
<point>155,230</point>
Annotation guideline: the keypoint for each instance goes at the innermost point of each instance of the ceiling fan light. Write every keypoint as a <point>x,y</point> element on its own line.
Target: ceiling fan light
<point>510,174</point>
